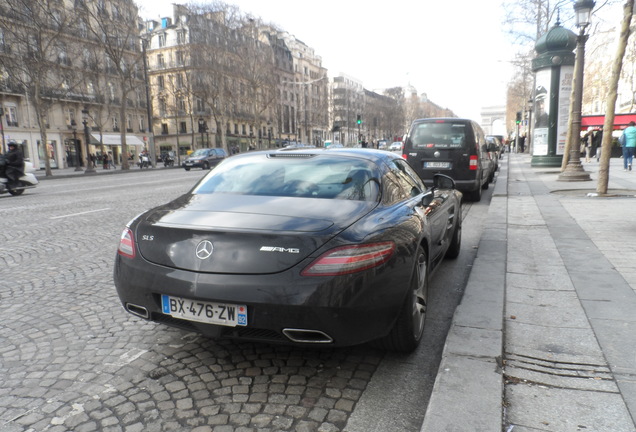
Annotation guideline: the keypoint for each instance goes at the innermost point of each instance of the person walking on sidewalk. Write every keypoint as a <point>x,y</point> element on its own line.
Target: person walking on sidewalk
<point>598,143</point>
<point>110,160</point>
<point>628,142</point>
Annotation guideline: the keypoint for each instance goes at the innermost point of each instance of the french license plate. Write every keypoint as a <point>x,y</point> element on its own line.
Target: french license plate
<point>436,164</point>
<point>224,314</point>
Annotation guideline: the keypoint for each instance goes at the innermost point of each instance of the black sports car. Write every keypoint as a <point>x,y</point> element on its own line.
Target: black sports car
<point>309,246</point>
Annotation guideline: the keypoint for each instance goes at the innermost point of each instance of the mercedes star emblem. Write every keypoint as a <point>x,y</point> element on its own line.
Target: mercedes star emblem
<point>204,249</point>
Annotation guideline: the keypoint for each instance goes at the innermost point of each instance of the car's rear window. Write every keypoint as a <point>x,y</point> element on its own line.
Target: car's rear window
<point>445,135</point>
<point>292,175</point>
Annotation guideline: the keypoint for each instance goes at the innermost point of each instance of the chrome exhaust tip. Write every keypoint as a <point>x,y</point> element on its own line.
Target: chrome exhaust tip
<point>139,311</point>
<point>307,336</point>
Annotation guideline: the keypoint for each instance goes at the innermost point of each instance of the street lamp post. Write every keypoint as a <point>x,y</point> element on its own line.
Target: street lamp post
<point>77,157</point>
<point>574,170</point>
<point>89,164</point>
<point>202,130</point>
<point>151,135</point>
<point>4,144</point>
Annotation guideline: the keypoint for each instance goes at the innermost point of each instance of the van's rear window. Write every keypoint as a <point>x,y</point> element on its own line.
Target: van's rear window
<point>438,135</point>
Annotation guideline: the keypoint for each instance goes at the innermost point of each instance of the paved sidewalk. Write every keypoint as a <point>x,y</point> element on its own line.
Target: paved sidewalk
<point>70,172</point>
<point>545,336</point>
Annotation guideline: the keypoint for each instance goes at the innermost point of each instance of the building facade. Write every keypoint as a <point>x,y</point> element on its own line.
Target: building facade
<point>60,79</point>
<point>238,85</point>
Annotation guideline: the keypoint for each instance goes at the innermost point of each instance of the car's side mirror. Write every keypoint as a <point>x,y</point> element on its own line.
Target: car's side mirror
<point>428,197</point>
<point>442,181</point>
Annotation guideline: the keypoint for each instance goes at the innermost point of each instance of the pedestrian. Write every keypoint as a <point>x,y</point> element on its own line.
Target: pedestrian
<point>105,161</point>
<point>587,143</point>
<point>522,143</point>
<point>109,157</point>
<point>628,143</point>
<point>598,143</point>
<point>93,160</point>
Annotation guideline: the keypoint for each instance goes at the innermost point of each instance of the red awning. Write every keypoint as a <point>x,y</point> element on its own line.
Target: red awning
<point>597,121</point>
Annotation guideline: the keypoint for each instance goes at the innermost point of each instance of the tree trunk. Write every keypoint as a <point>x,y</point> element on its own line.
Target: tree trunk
<point>37,104</point>
<point>122,127</point>
<point>608,126</point>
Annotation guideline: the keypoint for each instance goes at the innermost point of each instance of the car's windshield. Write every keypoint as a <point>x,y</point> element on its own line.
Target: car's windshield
<point>199,153</point>
<point>284,174</point>
<point>438,135</point>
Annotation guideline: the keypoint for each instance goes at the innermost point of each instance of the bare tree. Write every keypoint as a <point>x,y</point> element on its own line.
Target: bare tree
<point>413,109</point>
<point>39,61</point>
<point>526,20</point>
<point>257,72</point>
<point>114,25</point>
<point>395,117</point>
<point>608,126</point>
<point>212,52</point>
<point>94,83</point>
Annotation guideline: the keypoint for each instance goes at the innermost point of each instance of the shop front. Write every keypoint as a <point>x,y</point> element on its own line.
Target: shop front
<point>101,144</point>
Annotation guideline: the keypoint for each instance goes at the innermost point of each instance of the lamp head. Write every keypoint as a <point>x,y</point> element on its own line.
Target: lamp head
<point>582,11</point>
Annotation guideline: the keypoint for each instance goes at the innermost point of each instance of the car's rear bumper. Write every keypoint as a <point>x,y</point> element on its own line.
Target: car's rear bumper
<point>347,310</point>
<point>192,165</point>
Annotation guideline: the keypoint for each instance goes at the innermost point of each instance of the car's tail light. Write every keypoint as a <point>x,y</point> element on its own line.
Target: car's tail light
<point>472,165</point>
<point>126,244</point>
<point>350,259</point>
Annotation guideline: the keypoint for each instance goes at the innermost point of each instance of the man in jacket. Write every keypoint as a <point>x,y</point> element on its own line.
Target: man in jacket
<point>628,141</point>
<point>15,163</point>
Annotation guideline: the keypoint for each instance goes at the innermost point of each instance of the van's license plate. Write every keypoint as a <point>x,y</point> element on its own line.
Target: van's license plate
<point>206,312</point>
<point>436,164</point>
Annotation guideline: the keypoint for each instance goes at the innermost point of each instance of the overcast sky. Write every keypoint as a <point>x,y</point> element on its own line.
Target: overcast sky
<point>455,51</point>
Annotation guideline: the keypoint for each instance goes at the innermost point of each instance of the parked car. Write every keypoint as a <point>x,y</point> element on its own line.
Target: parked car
<point>309,247</point>
<point>396,146</point>
<point>452,146</point>
<point>494,150</point>
<point>204,158</point>
<point>499,142</point>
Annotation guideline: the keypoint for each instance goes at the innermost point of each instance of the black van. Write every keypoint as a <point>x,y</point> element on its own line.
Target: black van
<point>452,146</point>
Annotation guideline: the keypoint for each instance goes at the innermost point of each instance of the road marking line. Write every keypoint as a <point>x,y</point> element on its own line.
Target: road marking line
<point>79,214</point>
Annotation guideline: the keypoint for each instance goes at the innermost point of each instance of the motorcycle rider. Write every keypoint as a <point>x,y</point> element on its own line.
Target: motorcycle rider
<point>15,164</point>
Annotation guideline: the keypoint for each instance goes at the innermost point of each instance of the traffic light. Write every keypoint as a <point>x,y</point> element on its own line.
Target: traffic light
<point>518,117</point>
<point>359,119</point>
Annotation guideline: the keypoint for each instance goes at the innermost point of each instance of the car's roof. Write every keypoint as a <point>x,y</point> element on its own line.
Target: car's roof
<point>370,154</point>
<point>446,119</point>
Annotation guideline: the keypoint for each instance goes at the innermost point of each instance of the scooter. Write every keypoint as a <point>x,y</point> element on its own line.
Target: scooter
<point>144,162</point>
<point>27,181</point>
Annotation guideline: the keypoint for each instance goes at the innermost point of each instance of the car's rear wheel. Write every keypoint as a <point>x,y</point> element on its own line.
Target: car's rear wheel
<point>187,169</point>
<point>407,331</point>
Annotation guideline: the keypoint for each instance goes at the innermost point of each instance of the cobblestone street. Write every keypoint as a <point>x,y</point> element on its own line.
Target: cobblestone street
<point>73,360</point>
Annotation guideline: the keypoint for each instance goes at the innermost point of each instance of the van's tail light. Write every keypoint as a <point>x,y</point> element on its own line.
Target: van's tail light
<point>472,165</point>
<point>126,244</point>
<point>350,259</point>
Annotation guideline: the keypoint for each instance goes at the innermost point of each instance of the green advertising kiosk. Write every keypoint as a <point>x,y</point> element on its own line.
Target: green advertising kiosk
<point>554,71</point>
